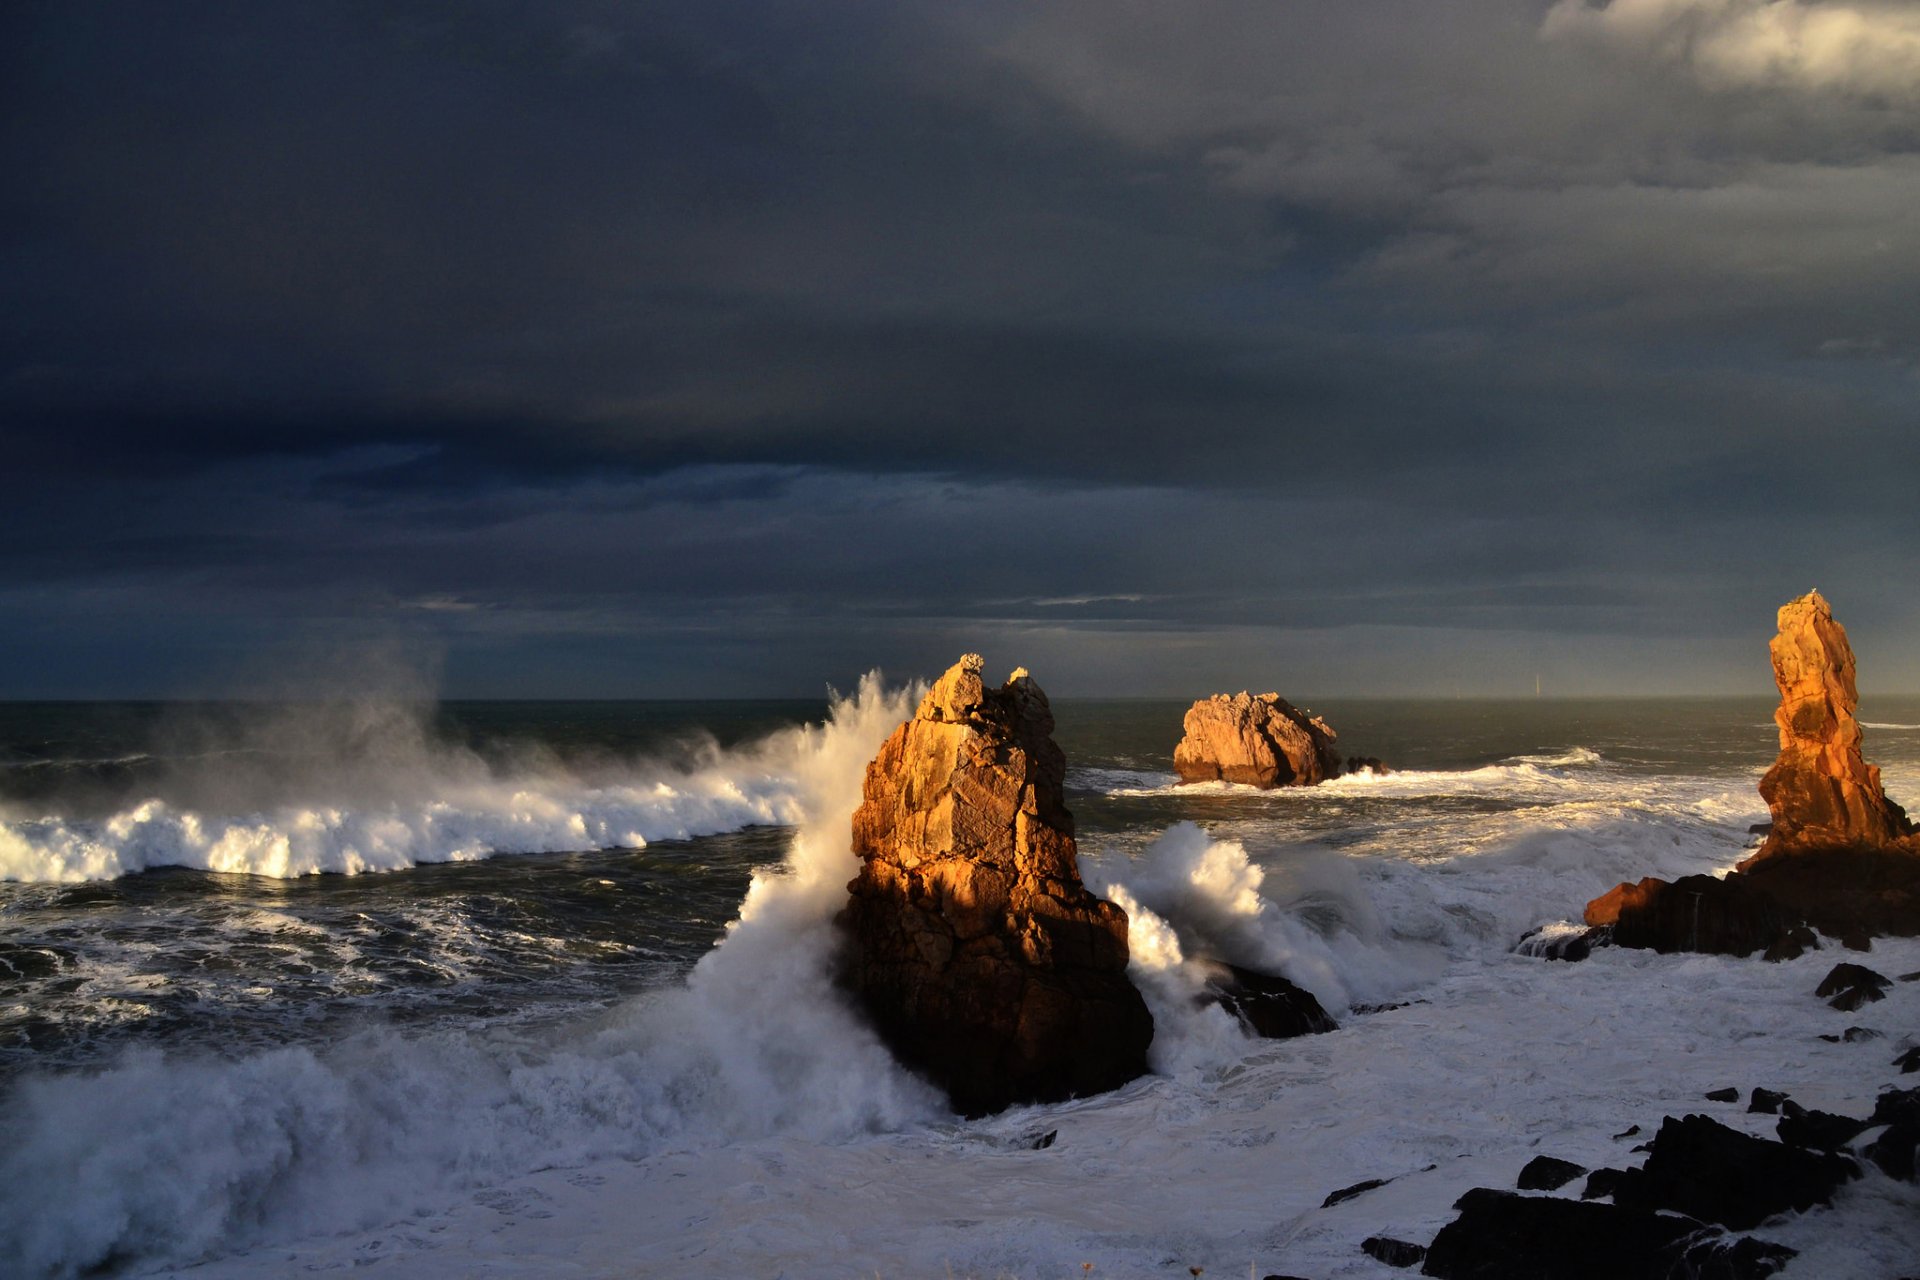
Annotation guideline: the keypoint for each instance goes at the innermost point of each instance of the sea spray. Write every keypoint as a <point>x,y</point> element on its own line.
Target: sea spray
<point>169,1158</point>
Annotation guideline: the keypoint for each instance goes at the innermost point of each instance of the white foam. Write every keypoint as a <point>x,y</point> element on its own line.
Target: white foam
<point>165,1158</point>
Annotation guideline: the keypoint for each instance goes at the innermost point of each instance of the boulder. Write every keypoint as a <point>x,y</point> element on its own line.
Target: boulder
<point>1700,1167</point>
<point>1545,1173</point>
<point>1267,1005</point>
<point>1259,739</point>
<point>1852,985</point>
<point>1694,913</point>
<point>981,958</point>
<point>1501,1235</point>
<point>1849,894</point>
<point>1822,792</point>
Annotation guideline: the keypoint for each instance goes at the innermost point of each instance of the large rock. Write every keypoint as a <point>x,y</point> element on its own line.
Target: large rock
<point>1694,913</point>
<point>1838,855</point>
<point>981,958</point>
<point>1823,793</point>
<point>1705,1170</point>
<point>1260,739</point>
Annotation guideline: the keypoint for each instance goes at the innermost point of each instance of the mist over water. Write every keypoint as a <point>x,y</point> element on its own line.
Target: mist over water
<point>197,1058</point>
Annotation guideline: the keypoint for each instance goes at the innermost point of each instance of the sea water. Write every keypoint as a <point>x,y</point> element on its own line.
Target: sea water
<point>540,984</point>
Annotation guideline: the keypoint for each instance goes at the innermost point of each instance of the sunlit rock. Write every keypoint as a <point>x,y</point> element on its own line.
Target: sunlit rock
<point>983,961</point>
<point>1258,739</point>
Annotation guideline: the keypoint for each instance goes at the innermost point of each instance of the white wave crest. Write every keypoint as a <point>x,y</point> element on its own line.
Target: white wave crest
<point>442,815</point>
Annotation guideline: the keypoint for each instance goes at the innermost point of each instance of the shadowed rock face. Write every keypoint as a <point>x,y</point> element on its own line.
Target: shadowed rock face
<point>981,958</point>
<point>1259,739</point>
<point>1823,793</point>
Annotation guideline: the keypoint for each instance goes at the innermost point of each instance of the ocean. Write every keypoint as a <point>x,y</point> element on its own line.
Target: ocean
<point>544,989</point>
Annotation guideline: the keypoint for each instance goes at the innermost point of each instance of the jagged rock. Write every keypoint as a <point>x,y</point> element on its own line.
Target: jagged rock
<point>1853,895</point>
<point>1601,1182</point>
<point>1501,1235</point>
<point>1792,944</point>
<point>1260,739</point>
<point>1544,1173</point>
<point>1816,1130</point>
<point>1728,1094</point>
<point>1694,913</point>
<point>1852,985</point>
<point>1699,1167</point>
<point>1766,1102</point>
<point>1822,792</point>
<point>970,940</point>
<point>1395,1253</point>
<point>1909,1061</point>
<point>1897,1150</point>
<point>1367,764</point>
<point>1266,1004</point>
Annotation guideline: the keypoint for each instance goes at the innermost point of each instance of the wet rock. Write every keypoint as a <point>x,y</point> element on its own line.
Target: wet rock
<point>1366,764</point>
<point>1345,1194</point>
<point>1816,1130</point>
<point>1501,1235</point>
<point>1791,945</point>
<point>1766,1102</point>
<point>1045,1140</point>
<point>1897,1150</point>
<point>1850,986</point>
<point>1896,1106</point>
<point>1259,739</point>
<point>1729,1094</point>
<point>1857,1035</point>
<point>1909,1061</point>
<point>1267,1005</point>
<point>1601,1182</point>
<point>1821,791</point>
<point>1544,1173</point>
<point>1700,1167</point>
<point>1694,913</point>
<point>1395,1253</point>
<point>1631,1131</point>
<point>972,944</point>
<point>1560,945</point>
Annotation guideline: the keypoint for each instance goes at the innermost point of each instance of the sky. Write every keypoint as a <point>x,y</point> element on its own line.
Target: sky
<point>585,348</point>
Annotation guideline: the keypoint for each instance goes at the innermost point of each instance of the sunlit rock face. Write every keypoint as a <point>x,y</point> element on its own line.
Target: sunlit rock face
<point>1823,793</point>
<point>983,961</point>
<point>1258,739</point>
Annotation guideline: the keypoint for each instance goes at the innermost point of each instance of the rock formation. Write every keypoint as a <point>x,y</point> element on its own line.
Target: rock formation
<point>1260,739</point>
<point>1823,793</point>
<point>1839,855</point>
<point>981,958</point>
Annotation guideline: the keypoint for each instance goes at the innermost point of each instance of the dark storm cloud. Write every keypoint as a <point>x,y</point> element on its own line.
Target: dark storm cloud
<point>1395,332</point>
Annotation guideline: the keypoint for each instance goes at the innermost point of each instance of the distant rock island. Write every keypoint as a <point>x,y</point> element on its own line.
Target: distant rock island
<point>982,959</point>
<point>1259,739</point>
<point>1839,855</point>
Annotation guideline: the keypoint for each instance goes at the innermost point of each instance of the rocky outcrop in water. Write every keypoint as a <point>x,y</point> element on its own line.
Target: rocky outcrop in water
<point>1822,792</point>
<point>1838,856</point>
<point>1258,739</point>
<point>970,939</point>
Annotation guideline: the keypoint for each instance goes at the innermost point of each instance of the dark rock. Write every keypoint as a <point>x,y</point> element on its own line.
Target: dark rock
<point>1844,893</point>
<point>1852,985</point>
<point>1045,1140</point>
<point>1856,939</point>
<point>1816,1130</point>
<point>1728,1094</point>
<point>1694,913</point>
<point>1544,1173</point>
<point>979,955</point>
<point>1911,977</point>
<point>1854,1035</point>
<point>1701,1168</point>
<point>1502,1235</point>
<point>1631,1131</point>
<point>1896,1106</point>
<point>1345,1194</point>
<point>1896,1150</point>
<point>1766,1102</point>
<point>1908,1061</point>
<point>1760,829</point>
<point>1601,1182</point>
<point>1560,946</point>
<point>1792,944</point>
<point>1266,1004</point>
<point>1367,764</point>
<point>1395,1253</point>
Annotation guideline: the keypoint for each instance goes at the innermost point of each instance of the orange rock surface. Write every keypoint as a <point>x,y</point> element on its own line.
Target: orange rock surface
<point>982,959</point>
<point>1259,739</point>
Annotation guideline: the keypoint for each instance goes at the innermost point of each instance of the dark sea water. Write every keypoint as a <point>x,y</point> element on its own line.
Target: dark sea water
<point>171,875</point>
